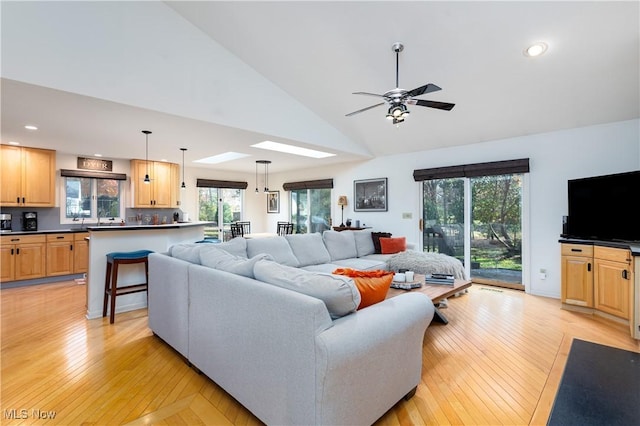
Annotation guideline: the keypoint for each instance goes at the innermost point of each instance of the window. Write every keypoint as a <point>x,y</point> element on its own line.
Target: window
<point>92,199</point>
<point>310,210</point>
<point>474,212</point>
<point>219,202</point>
<point>310,205</point>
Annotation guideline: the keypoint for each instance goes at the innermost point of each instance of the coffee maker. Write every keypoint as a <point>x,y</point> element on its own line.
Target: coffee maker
<point>29,221</point>
<point>5,222</point>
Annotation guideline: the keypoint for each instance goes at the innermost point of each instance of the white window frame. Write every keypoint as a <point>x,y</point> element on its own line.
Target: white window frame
<point>64,220</point>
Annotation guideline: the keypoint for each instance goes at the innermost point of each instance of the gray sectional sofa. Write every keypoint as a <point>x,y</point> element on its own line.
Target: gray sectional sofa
<point>267,321</point>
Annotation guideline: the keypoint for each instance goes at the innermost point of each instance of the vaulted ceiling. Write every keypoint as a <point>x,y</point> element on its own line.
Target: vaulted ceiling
<point>217,76</point>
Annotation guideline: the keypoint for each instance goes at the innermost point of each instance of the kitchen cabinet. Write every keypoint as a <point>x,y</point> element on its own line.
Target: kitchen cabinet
<point>162,191</point>
<point>23,257</point>
<point>80,253</point>
<point>28,177</point>
<point>60,254</point>
<point>577,275</point>
<point>613,281</point>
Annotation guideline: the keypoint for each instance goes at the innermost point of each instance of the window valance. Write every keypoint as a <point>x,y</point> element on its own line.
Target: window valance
<point>92,174</point>
<point>214,183</point>
<point>308,184</point>
<point>474,170</point>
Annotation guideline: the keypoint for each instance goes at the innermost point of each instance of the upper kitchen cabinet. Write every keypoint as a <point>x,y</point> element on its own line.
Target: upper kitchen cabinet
<point>161,191</point>
<point>28,177</point>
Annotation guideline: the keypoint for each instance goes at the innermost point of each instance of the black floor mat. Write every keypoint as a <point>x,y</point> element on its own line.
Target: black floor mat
<point>600,386</point>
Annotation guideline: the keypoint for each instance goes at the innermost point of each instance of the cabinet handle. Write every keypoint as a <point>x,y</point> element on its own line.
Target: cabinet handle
<point>589,267</point>
<point>71,247</point>
<point>17,200</point>
<point>60,238</point>
<point>11,252</point>
<point>576,250</point>
<point>17,251</point>
<point>23,200</point>
<point>625,274</point>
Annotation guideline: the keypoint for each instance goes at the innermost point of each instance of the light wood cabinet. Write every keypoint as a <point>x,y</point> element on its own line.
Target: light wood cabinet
<point>23,257</point>
<point>162,191</point>
<point>60,254</point>
<point>613,281</point>
<point>577,275</point>
<point>80,253</point>
<point>28,176</point>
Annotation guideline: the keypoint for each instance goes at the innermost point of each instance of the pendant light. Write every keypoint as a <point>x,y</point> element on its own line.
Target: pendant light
<point>266,174</point>
<point>183,150</point>
<point>147,179</point>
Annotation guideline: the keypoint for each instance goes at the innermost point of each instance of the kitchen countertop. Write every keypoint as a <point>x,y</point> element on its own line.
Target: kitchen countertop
<point>48,231</point>
<point>117,227</point>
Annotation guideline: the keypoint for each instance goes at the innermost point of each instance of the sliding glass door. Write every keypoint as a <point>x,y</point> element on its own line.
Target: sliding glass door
<point>485,232</point>
<point>221,206</point>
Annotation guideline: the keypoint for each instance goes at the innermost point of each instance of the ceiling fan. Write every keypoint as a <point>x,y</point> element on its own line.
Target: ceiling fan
<point>398,99</point>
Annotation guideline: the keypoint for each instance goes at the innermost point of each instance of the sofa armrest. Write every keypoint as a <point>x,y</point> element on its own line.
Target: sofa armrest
<point>169,300</point>
<point>378,352</point>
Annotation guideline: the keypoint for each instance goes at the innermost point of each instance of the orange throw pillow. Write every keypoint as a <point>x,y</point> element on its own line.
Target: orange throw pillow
<point>393,245</point>
<point>372,285</point>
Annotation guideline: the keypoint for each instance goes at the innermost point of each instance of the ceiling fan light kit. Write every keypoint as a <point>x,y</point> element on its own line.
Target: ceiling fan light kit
<point>398,98</point>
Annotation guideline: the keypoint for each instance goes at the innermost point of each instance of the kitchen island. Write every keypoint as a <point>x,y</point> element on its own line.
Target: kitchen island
<point>107,239</point>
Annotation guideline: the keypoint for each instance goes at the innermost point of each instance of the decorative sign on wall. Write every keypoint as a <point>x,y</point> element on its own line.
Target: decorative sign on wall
<point>95,164</point>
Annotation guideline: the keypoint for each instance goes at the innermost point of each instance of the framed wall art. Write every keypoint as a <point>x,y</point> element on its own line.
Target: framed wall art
<point>370,195</point>
<point>273,202</point>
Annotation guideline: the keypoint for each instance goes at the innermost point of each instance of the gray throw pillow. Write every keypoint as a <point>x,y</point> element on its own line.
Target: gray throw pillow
<point>339,293</point>
<point>237,246</point>
<point>278,247</point>
<point>225,261</point>
<point>189,252</point>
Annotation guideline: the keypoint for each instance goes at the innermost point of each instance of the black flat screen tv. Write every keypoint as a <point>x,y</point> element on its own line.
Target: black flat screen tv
<point>604,207</point>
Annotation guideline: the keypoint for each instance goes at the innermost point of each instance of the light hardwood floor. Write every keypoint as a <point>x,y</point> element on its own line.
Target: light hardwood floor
<point>498,361</point>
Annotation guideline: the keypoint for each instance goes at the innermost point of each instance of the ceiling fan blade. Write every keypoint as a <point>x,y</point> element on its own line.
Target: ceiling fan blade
<point>364,109</point>
<point>427,88</point>
<point>368,94</point>
<point>433,104</point>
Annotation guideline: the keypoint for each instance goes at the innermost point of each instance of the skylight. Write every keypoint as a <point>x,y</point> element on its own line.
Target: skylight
<point>221,158</point>
<point>291,149</point>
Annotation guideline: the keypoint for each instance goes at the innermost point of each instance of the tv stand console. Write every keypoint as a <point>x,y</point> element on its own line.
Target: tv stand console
<point>598,277</point>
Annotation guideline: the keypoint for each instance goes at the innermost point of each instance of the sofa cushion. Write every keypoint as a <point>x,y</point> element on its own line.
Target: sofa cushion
<point>189,252</point>
<point>362,264</point>
<point>375,236</point>
<point>341,245</point>
<point>393,245</point>
<point>216,258</point>
<point>237,246</point>
<point>372,285</point>
<point>364,242</point>
<point>339,293</point>
<point>278,247</point>
<point>309,249</point>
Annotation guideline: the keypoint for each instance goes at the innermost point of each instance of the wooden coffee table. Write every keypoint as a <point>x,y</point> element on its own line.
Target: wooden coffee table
<point>436,292</point>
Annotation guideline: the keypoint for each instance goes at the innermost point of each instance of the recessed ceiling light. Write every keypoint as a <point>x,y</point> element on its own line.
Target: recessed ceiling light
<point>221,158</point>
<point>31,127</point>
<point>290,149</point>
<point>97,155</point>
<point>536,49</point>
<point>14,143</point>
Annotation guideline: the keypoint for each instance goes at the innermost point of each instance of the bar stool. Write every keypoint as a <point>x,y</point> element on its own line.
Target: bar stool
<point>111,289</point>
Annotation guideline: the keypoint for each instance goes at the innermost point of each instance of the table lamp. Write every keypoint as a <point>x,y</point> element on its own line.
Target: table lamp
<point>342,201</point>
